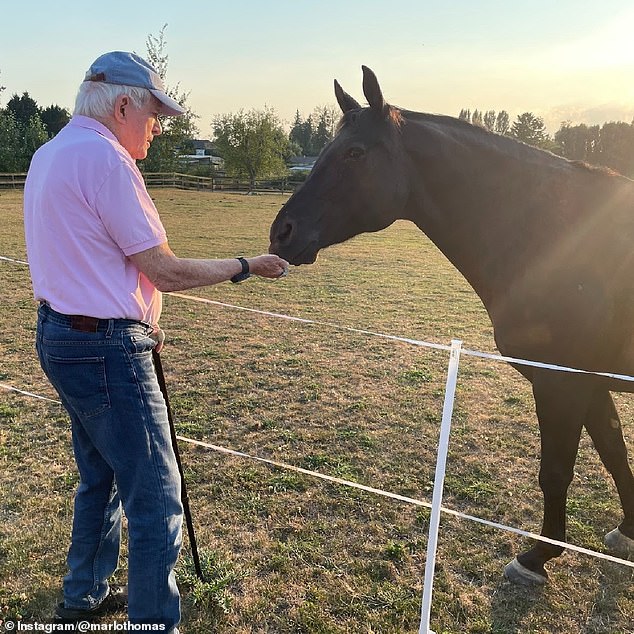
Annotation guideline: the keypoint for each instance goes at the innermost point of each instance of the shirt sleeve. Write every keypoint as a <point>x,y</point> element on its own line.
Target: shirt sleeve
<point>127,211</point>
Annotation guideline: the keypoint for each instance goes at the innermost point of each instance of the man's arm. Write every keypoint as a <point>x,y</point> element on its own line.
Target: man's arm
<point>170,273</point>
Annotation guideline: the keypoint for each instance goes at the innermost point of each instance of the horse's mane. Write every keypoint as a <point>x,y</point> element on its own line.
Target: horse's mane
<point>500,140</point>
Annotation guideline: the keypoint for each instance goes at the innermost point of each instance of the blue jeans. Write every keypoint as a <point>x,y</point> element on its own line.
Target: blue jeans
<point>123,450</point>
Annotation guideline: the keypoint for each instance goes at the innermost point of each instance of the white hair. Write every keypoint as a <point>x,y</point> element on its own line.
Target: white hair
<point>96,99</point>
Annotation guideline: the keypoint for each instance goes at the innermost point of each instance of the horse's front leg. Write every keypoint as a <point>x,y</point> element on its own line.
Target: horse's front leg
<point>561,402</point>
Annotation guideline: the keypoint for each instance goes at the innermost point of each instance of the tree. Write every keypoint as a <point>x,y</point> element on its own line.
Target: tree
<point>178,132</point>
<point>610,145</point>
<point>531,130</point>
<point>465,115</point>
<point>253,144</point>
<point>502,122</point>
<point>313,134</point>
<point>21,133</point>
<point>23,108</point>
<point>301,133</point>
<point>326,117</point>
<point>19,142</point>
<point>156,54</point>
<point>10,160</point>
<point>578,142</point>
<point>498,123</point>
<point>615,147</point>
<point>33,135</point>
<point>489,120</point>
<point>54,119</point>
<point>176,140</point>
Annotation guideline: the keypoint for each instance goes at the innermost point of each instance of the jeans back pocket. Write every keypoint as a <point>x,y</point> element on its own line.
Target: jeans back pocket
<point>81,382</point>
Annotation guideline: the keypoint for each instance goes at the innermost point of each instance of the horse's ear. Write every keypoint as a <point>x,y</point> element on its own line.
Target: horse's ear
<point>372,91</point>
<point>346,102</point>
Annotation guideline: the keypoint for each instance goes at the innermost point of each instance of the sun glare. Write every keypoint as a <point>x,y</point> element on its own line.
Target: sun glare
<point>610,45</point>
<point>616,42</point>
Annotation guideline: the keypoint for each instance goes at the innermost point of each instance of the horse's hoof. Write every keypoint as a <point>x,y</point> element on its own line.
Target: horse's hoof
<point>516,573</point>
<point>619,544</point>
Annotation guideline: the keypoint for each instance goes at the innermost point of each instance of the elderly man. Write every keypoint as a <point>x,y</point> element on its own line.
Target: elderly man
<point>99,261</point>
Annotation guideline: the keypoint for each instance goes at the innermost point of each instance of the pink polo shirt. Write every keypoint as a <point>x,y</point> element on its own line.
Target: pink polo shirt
<point>86,209</point>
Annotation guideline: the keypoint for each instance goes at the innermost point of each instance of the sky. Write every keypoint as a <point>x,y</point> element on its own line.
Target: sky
<point>569,60</point>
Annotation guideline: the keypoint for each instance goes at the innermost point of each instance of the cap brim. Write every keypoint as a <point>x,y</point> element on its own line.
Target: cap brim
<point>169,106</point>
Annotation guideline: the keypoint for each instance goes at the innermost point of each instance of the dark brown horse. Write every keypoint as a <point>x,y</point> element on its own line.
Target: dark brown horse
<point>546,243</point>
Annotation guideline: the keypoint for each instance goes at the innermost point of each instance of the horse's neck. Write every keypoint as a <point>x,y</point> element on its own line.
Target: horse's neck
<point>482,201</point>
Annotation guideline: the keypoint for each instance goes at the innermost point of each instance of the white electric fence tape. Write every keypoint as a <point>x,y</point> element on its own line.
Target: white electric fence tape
<point>10,388</point>
<point>12,260</point>
<point>356,485</point>
<point>363,487</point>
<point>414,342</point>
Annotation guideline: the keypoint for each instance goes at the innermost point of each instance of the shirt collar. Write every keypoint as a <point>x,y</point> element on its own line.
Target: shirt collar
<point>89,123</point>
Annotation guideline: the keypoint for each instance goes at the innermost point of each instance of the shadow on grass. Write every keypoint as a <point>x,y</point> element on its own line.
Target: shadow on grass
<point>612,599</point>
<point>512,605</point>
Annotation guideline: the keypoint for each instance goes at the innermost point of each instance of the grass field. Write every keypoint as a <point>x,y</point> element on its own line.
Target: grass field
<point>287,553</point>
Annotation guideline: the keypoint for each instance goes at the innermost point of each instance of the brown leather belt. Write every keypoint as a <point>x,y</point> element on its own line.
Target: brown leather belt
<point>85,324</point>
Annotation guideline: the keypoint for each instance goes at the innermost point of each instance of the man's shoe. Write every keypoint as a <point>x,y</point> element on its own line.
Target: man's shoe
<point>115,601</point>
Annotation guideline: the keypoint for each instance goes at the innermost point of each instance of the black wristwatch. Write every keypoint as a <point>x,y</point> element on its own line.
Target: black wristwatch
<point>244,274</point>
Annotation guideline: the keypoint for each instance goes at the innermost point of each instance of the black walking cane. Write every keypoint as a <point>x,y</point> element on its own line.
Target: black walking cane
<point>156,357</point>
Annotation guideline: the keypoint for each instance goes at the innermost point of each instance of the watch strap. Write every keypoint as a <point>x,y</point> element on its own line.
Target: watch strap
<point>244,274</point>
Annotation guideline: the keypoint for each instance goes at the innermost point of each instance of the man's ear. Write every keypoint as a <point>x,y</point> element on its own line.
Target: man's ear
<point>121,104</point>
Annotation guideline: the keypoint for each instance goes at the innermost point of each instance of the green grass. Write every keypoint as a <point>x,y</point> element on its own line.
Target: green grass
<point>287,553</point>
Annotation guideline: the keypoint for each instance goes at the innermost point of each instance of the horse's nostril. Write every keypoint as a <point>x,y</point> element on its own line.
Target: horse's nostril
<point>285,232</point>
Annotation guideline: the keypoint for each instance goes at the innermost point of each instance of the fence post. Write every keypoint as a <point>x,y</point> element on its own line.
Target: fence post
<point>439,480</point>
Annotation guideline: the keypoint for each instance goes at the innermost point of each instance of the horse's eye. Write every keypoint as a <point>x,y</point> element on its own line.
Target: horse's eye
<point>355,152</point>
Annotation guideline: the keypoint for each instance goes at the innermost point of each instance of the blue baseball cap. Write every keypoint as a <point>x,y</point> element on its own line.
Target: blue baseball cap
<point>128,69</point>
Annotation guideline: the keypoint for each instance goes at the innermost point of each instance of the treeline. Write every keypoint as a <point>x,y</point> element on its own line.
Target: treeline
<point>255,145</point>
<point>609,145</point>
<point>311,135</point>
<point>24,126</point>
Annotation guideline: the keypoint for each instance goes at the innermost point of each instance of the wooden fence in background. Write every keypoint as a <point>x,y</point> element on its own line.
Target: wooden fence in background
<point>186,181</point>
<point>12,181</point>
